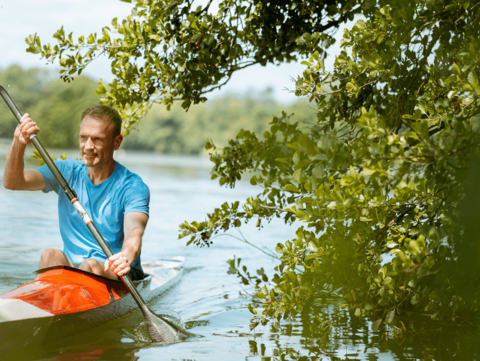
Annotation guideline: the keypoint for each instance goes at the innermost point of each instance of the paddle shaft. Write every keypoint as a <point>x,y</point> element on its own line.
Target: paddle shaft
<point>72,196</point>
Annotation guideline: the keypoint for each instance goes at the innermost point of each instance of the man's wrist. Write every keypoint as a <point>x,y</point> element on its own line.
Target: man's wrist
<point>19,145</point>
<point>130,258</point>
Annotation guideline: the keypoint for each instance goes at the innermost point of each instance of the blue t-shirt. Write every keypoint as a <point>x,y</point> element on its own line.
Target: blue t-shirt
<point>107,204</point>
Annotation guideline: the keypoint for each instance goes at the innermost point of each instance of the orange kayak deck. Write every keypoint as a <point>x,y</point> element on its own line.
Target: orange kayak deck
<point>62,290</point>
<point>64,301</point>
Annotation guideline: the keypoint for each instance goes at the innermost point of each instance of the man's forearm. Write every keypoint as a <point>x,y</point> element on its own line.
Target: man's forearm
<point>133,244</point>
<point>13,177</point>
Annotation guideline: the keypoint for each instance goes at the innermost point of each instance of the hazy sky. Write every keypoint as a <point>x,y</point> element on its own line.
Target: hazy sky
<point>20,18</point>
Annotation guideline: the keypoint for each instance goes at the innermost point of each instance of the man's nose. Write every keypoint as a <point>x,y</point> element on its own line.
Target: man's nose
<point>89,143</point>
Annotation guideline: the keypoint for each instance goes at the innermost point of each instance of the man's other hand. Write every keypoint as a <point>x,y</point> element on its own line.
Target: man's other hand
<point>119,264</point>
<point>26,128</point>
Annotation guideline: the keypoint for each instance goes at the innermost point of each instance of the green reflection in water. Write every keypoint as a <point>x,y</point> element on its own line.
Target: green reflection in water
<point>344,336</point>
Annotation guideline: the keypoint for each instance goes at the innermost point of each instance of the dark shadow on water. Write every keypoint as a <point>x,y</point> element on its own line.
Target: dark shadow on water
<point>117,340</point>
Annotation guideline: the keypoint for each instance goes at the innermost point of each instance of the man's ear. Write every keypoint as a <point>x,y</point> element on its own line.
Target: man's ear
<point>117,142</point>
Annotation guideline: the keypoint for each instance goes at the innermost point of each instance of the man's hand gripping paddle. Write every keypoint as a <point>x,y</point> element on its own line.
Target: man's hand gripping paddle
<point>161,330</point>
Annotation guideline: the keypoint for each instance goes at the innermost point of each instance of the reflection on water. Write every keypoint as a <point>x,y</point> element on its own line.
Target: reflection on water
<point>210,302</point>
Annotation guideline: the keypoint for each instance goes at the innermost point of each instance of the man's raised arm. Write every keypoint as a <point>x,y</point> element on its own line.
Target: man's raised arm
<point>15,177</point>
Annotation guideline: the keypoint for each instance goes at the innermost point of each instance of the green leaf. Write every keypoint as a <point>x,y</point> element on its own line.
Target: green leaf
<point>297,176</point>
<point>284,161</point>
<point>472,77</point>
<point>260,294</point>
<point>280,248</point>
<point>319,171</point>
<point>367,171</point>
<point>455,67</point>
<point>253,310</point>
<point>475,122</point>
<point>451,7</point>
<point>376,325</point>
<point>415,299</point>
<point>390,316</point>
<point>291,188</point>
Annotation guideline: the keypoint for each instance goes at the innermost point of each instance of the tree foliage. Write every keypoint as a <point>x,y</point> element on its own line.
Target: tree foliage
<point>376,180</point>
<point>171,50</point>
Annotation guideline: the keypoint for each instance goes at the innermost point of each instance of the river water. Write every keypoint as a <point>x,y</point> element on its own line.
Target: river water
<point>211,302</point>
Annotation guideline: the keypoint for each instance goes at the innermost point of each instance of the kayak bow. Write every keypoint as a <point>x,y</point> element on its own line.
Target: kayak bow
<point>63,301</point>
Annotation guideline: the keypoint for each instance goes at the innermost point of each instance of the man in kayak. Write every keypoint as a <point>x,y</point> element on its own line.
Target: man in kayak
<point>116,198</point>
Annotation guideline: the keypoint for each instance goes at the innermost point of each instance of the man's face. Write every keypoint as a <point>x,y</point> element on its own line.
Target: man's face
<point>97,141</point>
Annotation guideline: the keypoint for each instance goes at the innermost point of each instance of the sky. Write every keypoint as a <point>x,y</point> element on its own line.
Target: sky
<point>20,18</point>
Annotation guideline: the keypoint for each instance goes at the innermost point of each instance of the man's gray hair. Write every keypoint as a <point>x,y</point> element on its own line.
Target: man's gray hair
<point>104,111</point>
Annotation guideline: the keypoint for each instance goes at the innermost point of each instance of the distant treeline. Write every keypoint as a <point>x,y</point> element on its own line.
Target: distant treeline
<point>57,106</point>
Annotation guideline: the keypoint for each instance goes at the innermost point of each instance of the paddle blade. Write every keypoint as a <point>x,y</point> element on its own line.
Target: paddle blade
<point>162,330</point>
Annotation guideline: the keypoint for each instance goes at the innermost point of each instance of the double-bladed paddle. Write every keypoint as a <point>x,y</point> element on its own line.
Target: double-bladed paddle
<point>161,330</point>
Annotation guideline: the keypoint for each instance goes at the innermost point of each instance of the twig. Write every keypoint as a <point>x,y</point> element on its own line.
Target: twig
<point>399,218</point>
<point>274,208</point>
<point>205,9</point>
<point>133,113</point>
<point>243,239</point>
<point>418,91</point>
<point>248,293</point>
<point>364,85</point>
<point>228,78</point>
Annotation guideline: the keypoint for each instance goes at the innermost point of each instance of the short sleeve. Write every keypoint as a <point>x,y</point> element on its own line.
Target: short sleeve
<point>137,198</point>
<point>50,181</point>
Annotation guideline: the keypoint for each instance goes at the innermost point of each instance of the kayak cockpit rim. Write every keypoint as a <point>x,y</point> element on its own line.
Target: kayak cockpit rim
<point>42,270</point>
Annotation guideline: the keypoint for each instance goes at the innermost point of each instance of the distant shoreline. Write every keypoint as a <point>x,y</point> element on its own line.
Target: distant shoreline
<point>124,156</point>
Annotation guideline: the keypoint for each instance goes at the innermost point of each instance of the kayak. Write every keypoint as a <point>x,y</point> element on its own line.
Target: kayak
<point>62,301</point>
